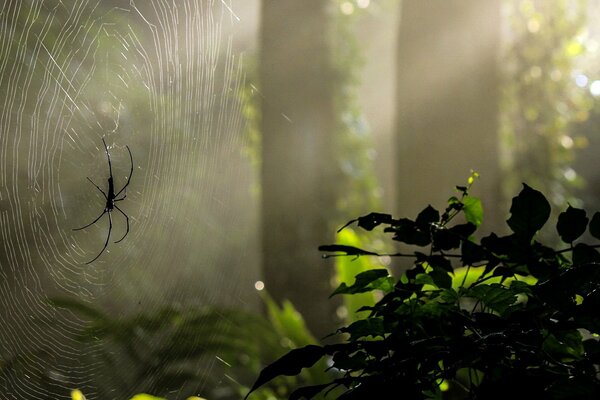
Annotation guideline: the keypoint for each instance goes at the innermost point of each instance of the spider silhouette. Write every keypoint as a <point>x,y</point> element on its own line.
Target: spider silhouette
<point>111,199</point>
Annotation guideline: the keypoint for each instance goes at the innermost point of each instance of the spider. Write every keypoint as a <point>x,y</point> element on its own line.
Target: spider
<point>111,199</point>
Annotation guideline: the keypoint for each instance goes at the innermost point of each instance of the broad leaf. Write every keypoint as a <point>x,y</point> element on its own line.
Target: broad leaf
<point>408,231</point>
<point>348,250</point>
<point>428,216</point>
<point>571,224</point>
<point>365,282</point>
<point>529,212</point>
<point>473,210</point>
<point>494,296</point>
<point>370,221</point>
<point>365,327</point>
<point>289,365</point>
<point>308,392</point>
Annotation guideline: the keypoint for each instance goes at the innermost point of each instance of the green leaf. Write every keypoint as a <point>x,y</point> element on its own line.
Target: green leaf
<point>595,225</point>
<point>289,364</point>
<point>365,327</point>
<point>288,322</point>
<point>571,224</point>
<point>365,282</point>
<point>439,262</point>
<point>565,345</point>
<point>348,250</point>
<point>494,296</point>
<point>442,279</point>
<point>529,212</point>
<point>473,210</point>
<point>424,279</point>
<point>144,396</point>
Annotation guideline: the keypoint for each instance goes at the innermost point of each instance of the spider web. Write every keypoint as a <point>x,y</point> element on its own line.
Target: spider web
<point>164,78</point>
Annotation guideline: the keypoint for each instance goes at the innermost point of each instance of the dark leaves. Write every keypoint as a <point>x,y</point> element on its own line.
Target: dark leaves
<point>571,224</point>
<point>289,365</point>
<point>366,282</point>
<point>514,313</point>
<point>529,212</point>
<point>369,222</point>
<point>347,250</point>
<point>595,225</point>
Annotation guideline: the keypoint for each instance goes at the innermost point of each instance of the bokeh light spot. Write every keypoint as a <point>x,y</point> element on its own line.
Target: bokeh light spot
<point>595,88</point>
<point>581,80</point>
<point>347,8</point>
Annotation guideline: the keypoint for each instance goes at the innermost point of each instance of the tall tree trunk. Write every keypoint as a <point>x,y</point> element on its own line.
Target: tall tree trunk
<point>447,92</point>
<point>298,123</point>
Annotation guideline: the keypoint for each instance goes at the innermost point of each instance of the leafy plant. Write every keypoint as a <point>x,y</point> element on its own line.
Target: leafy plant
<point>162,352</point>
<point>479,319</point>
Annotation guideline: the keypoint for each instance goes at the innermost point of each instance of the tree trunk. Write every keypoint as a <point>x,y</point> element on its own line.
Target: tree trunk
<point>298,123</point>
<point>447,92</point>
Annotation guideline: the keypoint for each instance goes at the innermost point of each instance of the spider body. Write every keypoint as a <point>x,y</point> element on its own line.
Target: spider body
<point>111,199</point>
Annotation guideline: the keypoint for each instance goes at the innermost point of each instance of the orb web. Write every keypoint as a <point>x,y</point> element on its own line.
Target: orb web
<point>163,78</point>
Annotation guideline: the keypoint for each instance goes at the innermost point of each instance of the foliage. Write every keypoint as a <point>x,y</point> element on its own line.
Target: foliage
<point>541,100</point>
<point>517,319</point>
<point>78,395</point>
<point>162,352</point>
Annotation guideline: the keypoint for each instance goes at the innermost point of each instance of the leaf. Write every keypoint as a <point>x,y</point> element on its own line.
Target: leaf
<point>77,395</point>
<point>365,327</point>
<point>494,296</point>
<point>144,396</point>
<point>441,279</point>
<point>582,254</point>
<point>365,282</point>
<point>595,225</point>
<point>348,250</point>
<point>344,361</point>
<point>565,345</point>
<point>472,252</point>
<point>308,392</point>
<point>289,364</point>
<point>428,216</point>
<point>445,239</point>
<point>571,224</point>
<point>529,212</point>
<point>448,239</point>
<point>463,231</point>
<point>473,210</point>
<point>370,221</point>
<point>407,231</point>
<point>439,262</point>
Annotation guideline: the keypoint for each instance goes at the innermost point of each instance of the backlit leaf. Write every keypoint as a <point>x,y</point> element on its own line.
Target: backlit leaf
<point>473,210</point>
<point>529,212</point>
<point>571,224</point>
<point>289,364</point>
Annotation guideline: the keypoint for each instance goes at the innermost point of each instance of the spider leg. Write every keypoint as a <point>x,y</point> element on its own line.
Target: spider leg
<point>130,174</point>
<point>107,156</point>
<point>127,220</point>
<point>98,187</point>
<point>107,239</point>
<point>93,222</point>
